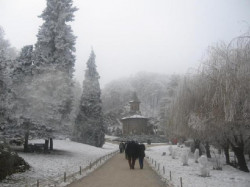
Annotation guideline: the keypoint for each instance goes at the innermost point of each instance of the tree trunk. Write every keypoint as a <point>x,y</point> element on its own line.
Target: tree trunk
<point>197,146</point>
<point>46,146</point>
<point>51,144</point>
<point>238,149</point>
<point>207,147</point>
<point>26,141</point>
<point>226,152</point>
<point>239,152</point>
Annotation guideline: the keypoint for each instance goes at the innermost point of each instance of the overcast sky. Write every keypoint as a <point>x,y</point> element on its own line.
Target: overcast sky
<point>128,36</point>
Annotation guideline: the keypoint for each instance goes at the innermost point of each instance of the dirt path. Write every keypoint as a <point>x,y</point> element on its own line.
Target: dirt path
<point>116,173</point>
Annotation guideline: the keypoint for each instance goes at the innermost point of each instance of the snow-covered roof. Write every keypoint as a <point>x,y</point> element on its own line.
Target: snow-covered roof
<point>135,116</point>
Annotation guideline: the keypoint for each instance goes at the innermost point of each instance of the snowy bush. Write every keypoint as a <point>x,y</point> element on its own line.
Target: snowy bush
<point>203,165</point>
<point>184,157</point>
<point>10,162</point>
<point>218,165</point>
<point>170,149</point>
<point>173,154</point>
<point>196,155</point>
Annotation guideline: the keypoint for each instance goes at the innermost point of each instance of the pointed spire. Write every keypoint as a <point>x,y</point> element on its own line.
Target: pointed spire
<point>134,98</point>
<point>134,104</point>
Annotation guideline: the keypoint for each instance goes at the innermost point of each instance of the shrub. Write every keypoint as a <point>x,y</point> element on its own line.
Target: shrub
<point>203,164</point>
<point>196,155</point>
<point>10,162</point>
<point>184,157</point>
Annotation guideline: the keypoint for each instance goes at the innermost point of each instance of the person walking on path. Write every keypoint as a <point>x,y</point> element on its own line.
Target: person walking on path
<point>121,147</point>
<point>141,154</point>
<point>132,151</point>
<point>125,147</point>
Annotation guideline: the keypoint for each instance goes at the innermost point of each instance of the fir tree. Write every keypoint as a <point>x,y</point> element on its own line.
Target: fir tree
<point>54,50</point>
<point>21,83</point>
<point>89,127</point>
<point>55,41</point>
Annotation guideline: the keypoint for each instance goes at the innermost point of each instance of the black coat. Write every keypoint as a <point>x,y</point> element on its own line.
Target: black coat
<point>132,149</point>
<point>141,150</point>
<point>121,145</point>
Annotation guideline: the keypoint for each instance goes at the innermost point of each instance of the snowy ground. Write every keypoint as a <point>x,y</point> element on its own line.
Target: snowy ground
<point>111,138</point>
<point>67,157</point>
<point>190,174</point>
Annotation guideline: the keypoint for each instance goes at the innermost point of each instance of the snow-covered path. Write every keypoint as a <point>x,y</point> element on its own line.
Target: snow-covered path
<point>116,173</point>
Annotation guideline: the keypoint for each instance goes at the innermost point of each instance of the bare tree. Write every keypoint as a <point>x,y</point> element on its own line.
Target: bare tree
<point>213,105</point>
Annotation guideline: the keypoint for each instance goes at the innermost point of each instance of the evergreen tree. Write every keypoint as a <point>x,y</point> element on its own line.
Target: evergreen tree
<point>6,51</point>
<point>55,47</point>
<point>55,41</point>
<point>7,54</point>
<point>21,75</point>
<point>21,83</point>
<point>89,127</point>
<point>3,84</point>
<point>37,98</point>
<point>10,162</point>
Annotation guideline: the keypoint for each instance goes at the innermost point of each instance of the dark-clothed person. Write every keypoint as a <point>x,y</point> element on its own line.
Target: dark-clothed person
<point>132,152</point>
<point>125,147</point>
<point>121,147</point>
<point>141,154</point>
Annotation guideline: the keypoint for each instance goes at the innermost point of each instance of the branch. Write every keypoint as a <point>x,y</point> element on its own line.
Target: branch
<point>239,37</point>
<point>235,139</point>
<point>230,143</point>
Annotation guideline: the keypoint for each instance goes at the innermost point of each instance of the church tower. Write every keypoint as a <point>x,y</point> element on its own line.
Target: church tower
<point>134,104</point>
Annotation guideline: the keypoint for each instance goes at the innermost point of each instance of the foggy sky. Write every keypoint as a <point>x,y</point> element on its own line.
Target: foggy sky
<point>128,36</point>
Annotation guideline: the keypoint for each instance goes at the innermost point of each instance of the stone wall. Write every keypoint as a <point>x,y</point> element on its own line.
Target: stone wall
<point>135,126</point>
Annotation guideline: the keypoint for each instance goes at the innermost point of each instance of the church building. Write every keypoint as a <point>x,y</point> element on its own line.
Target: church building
<point>135,123</point>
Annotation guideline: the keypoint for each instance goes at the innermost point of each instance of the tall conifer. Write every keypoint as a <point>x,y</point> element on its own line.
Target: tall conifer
<point>54,51</point>
<point>89,126</point>
<point>55,40</point>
